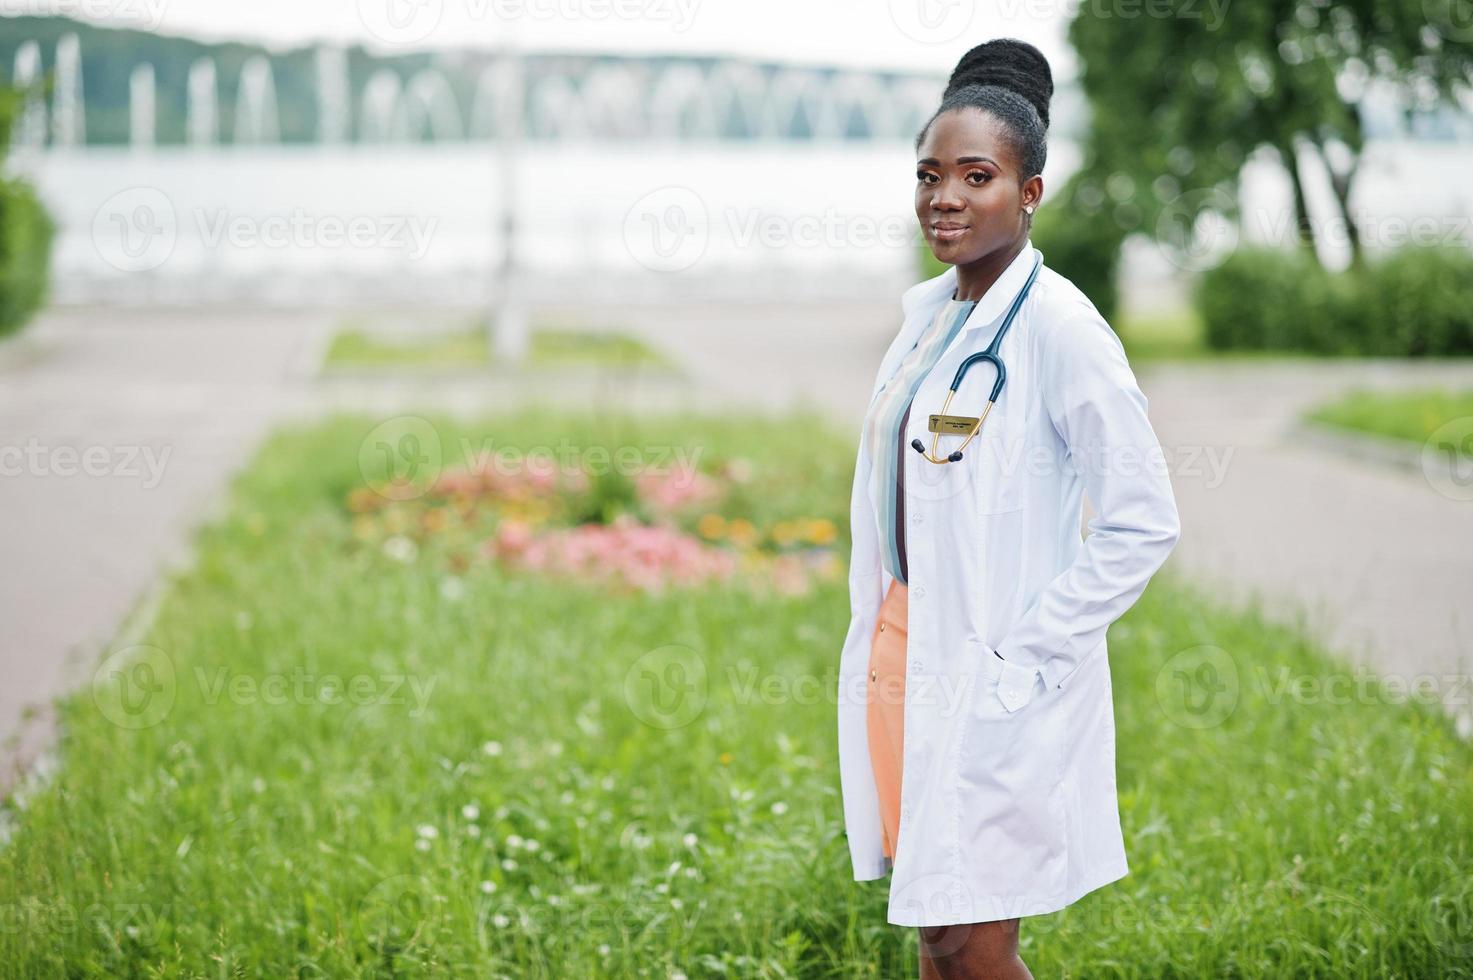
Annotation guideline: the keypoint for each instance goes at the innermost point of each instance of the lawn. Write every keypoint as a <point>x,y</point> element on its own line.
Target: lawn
<point>1438,417</point>
<point>355,746</point>
<point>355,348</point>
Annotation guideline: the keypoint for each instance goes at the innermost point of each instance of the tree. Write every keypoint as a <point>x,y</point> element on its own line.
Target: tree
<point>1183,93</point>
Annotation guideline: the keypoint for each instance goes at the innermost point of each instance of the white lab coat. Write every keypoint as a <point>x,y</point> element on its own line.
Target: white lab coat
<point>1008,800</point>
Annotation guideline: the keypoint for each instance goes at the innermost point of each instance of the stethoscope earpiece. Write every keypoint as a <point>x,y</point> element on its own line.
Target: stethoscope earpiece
<point>920,447</point>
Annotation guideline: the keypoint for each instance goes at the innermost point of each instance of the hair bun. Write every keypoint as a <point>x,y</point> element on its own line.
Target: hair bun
<point>1007,63</point>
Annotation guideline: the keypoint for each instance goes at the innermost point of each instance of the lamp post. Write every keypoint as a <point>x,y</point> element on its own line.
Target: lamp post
<point>509,328</point>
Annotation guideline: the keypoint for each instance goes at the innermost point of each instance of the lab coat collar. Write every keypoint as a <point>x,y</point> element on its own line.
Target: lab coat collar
<point>936,291</point>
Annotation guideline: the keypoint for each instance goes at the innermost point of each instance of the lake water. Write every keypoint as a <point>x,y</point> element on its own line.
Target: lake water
<point>362,224</point>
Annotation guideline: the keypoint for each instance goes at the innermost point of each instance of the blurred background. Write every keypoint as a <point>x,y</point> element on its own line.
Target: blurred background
<point>224,225</point>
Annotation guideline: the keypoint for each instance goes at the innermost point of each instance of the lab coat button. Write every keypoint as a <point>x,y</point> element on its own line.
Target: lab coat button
<point>918,592</point>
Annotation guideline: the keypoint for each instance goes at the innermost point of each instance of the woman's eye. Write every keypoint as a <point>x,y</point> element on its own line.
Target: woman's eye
<point>979,173</point>
<point>921,175</point>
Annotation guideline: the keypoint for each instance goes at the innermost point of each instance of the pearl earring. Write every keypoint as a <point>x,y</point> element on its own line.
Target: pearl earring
<point>1028,208</point>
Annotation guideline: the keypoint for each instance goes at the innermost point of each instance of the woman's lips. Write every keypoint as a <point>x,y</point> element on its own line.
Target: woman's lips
<point>948,234</point>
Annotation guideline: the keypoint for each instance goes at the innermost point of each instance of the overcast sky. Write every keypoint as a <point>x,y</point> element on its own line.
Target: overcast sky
<point>915,34</point>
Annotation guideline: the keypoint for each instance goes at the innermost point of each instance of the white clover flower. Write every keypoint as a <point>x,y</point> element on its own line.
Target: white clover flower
<point>470,811</point>
<point>400,548</point>
<point>603,949</point>
<point>487,887</point>
<point>492,747</point>
<point>779,808</point>
<point>427,830</point>
<point>531,844</point>
<point>473,830</point>
<point>513,840</point>
<point>689,840</point>
<point>500,921</point>
<point>508,864</point>
<point>422,845</point>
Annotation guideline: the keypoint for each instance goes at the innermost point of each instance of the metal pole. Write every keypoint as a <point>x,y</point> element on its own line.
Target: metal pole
<point>510,333</point>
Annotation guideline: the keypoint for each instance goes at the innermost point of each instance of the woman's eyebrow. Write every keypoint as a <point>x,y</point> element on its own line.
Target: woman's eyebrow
<point>960,160</point>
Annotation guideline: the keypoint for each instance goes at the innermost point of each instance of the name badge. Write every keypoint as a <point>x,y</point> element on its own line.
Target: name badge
<point>955,424</point>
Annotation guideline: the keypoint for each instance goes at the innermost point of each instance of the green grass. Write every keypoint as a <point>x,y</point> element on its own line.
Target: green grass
<point>465,348</point>
<point>1441,416</point>
<point>255,827</point>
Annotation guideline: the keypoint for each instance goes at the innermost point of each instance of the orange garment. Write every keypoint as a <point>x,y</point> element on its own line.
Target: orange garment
<point>886,709</point>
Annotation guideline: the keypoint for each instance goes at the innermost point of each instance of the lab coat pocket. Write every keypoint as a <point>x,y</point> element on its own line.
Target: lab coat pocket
<point>1012,807</point>
<point>993,462</point>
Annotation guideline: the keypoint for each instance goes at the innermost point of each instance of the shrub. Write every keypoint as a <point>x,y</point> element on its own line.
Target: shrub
<point>1419,301</point>
<point>26,231</point>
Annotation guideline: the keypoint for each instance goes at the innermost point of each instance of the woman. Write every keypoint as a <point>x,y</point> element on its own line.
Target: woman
<point>976,729</point>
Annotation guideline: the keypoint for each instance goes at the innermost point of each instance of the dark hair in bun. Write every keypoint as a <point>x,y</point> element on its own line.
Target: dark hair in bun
<point>1009,79</point>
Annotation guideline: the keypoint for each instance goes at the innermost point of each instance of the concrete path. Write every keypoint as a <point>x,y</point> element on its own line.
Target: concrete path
<point>1378,559</point>
<point>119,430</point>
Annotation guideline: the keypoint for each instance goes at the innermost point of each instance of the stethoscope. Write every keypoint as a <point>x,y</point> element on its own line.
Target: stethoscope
<point>942,422</point>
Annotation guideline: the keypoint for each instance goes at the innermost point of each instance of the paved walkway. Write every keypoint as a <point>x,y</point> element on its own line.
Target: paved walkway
<point>162,406</point>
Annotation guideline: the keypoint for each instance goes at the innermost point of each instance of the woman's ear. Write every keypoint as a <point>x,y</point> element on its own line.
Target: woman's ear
<point>1032,193</point>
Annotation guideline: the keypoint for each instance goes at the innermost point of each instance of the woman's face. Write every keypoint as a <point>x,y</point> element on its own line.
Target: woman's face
<point>969,191</point>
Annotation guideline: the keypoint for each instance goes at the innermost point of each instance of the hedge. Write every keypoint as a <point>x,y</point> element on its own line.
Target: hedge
<point>1414,302</point>
<point>26,231</point>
